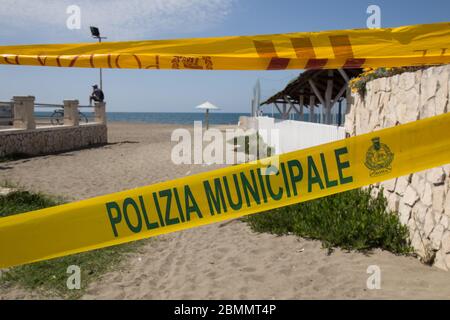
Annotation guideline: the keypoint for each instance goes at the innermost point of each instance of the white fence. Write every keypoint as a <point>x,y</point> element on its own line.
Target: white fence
<point>293,135</point>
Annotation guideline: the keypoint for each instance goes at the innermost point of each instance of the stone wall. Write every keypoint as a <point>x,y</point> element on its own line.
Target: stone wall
<point>421,199</point>
<point>51,139</point>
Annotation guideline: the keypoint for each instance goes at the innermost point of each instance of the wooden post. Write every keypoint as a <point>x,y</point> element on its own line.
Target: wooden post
<point>328,96</point>
<point>301,102</point>
<point>278,108</point>
<point>316,91</point>
<point>344,75</point>
<point>318,95</point>
<point>311,106</point>
<point>340,93</point>
<point>292,106</point>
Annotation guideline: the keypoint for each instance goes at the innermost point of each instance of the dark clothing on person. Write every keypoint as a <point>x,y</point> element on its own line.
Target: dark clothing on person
<point>97,95</point>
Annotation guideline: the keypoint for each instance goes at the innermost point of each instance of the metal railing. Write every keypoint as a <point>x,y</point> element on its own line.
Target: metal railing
<point>53,114</point>
<point>23,112</point>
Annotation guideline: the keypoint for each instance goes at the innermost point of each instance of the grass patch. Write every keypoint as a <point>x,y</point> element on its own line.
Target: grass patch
<point>350,220</point>
<point>50,277</point>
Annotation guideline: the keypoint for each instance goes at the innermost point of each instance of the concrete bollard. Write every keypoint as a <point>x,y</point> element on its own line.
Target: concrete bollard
<point>100,112</point>
<point>71,116</point>
<point>24,113</point>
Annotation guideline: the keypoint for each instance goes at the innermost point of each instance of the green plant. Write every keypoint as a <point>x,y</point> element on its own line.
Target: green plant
<point>49,277</point>
<point>23,201</point>
<point>352,220</point>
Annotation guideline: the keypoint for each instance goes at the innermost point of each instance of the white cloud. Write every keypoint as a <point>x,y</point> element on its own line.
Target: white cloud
<point>120,19</point>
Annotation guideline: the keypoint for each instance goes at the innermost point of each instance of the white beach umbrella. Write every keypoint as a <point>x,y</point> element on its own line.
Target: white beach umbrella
<point>207,106</point>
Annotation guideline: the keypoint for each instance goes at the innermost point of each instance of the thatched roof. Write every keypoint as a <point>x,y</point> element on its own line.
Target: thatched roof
<point>301,85</point>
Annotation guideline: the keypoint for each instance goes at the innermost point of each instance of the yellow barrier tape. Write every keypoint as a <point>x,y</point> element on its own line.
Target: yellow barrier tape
<point>426,44</point>
<point>224,194</point>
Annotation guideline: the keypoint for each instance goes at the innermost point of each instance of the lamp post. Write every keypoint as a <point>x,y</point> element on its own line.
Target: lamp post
<point>95,32</point>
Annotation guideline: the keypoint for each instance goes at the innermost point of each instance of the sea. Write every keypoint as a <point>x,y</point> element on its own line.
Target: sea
<point>174,117</point>
<point>183,118</point>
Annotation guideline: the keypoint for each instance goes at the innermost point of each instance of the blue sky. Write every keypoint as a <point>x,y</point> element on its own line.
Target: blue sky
<point>44,21</point>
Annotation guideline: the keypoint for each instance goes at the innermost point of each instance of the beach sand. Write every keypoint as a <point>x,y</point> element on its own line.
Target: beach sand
<point>219,261</point>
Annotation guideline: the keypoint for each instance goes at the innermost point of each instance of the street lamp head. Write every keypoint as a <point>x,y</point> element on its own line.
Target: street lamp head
<point>95,32</point>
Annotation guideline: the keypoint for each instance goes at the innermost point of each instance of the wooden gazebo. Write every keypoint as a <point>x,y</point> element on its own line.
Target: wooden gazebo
<point>313,88</point>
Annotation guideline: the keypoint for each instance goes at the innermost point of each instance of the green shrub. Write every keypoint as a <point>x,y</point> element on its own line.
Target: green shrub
<point>24,201</point>
<point>351,220</point>
<point>50,277</point>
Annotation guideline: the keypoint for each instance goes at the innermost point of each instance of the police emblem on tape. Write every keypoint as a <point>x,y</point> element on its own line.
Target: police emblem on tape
<point>379,158</point>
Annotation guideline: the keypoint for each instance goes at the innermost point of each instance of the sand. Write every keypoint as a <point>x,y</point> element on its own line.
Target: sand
<point>219,261</point>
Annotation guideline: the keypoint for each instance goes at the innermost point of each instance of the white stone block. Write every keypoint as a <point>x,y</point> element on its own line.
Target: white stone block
<point>418,183</point>
<point>446,169</point>
<point>390,120</point>
<point>349,126</point>
<point>428,109</point>
<point>429,223</point>
<point>428,86</point>
<point>446,242</point>
<point>436,176</point>
<point>436,237</point>
<point>394,81</point>
<point>393,201</point>
<point>439,261</point>
<point>419,212</point>
<point>441,101</point>
<point>445,221</point>
<point>406,81</point>
<point>374,121</point>
<point>389,185</point>
<point>408,108</point>
<point>427,196</point>
<point>417,242</point>
<point>438,198</point>
<point>362,125</point>
<point>412,226</point>
<point>384,84</point>
<point>404,212</point>
<point>402,184</point>
<point>410,197</point>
